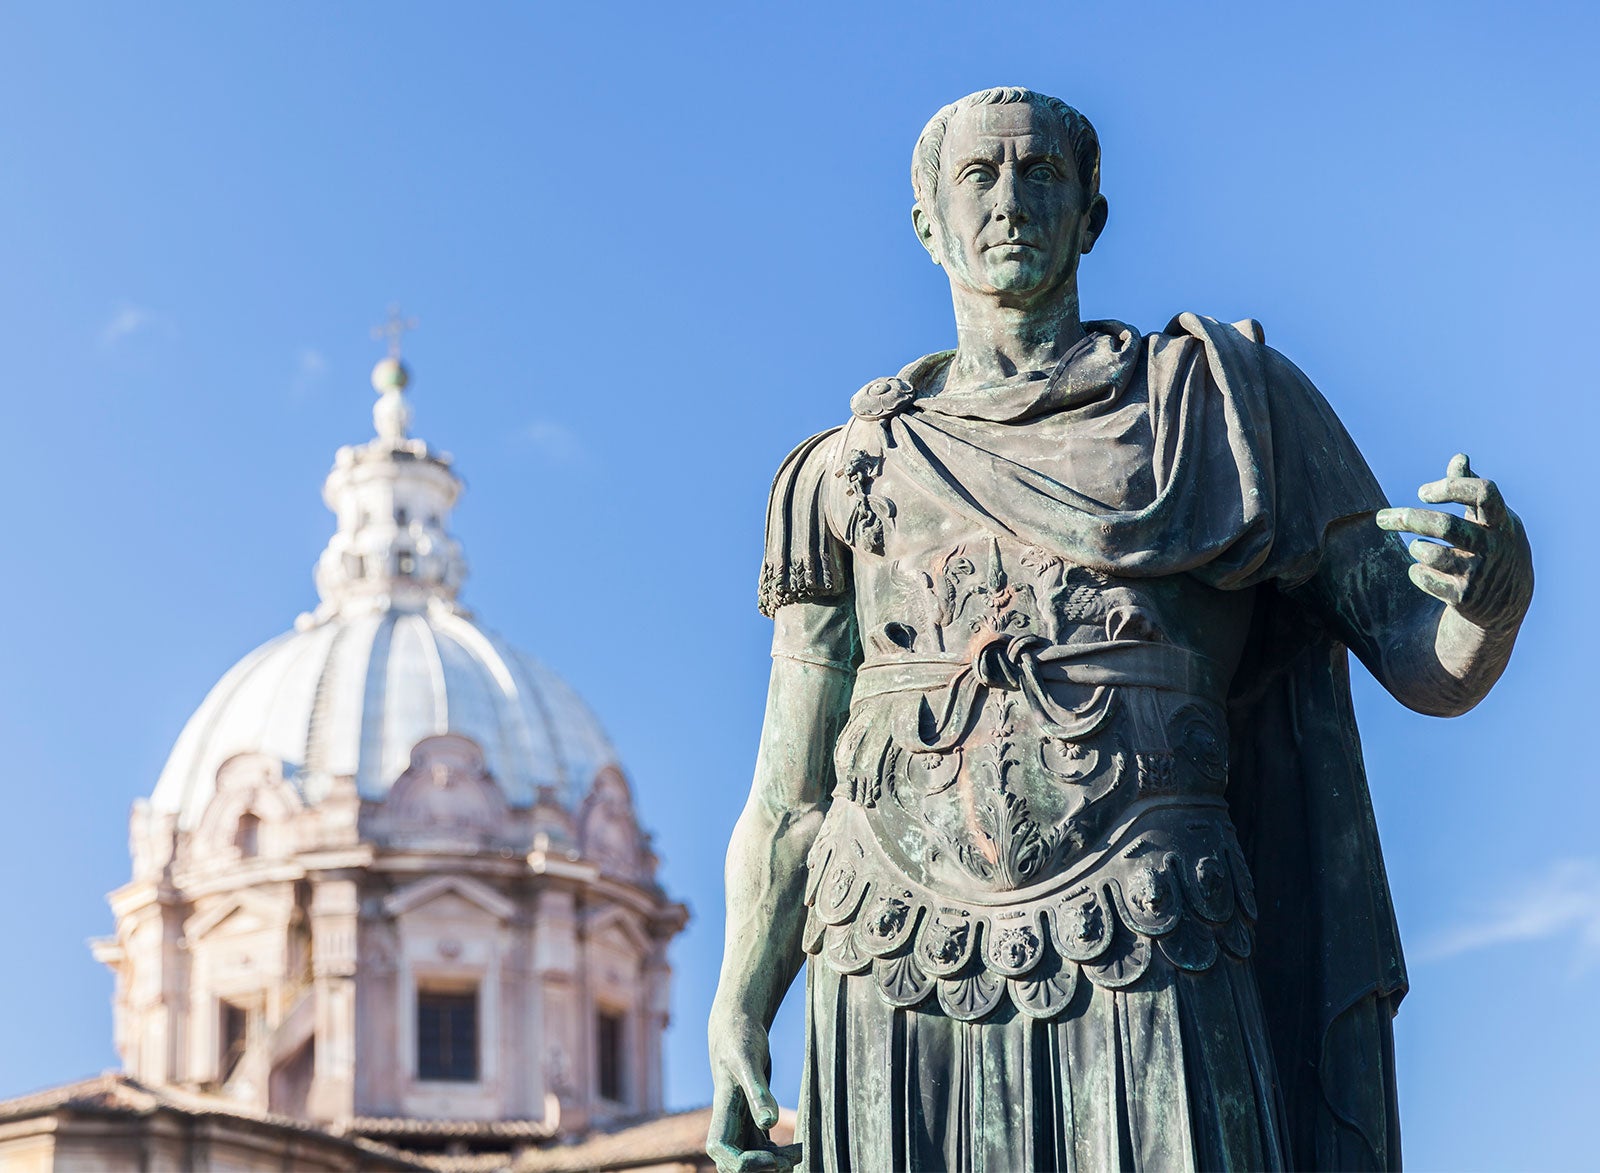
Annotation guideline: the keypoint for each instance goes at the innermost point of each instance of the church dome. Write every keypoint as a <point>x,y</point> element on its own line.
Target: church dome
<point>392,881</point>
<point>351,696</point>
<point>389,658</point>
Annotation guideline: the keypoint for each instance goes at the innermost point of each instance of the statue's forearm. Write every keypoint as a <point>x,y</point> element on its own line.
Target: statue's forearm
<point>1428,655</point>
<point>1443,664</point>
<point>766,910</point>
<point>766,871</point>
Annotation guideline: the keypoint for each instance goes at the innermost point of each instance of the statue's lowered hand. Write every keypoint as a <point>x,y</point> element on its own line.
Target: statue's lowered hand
<point>1480,564</point>
<point>743,1108</point>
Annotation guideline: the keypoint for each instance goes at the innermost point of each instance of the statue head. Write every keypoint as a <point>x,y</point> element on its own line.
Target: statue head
<point>1008,192</point>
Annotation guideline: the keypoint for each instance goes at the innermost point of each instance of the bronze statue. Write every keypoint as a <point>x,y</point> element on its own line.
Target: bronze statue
<point>1059,789</point>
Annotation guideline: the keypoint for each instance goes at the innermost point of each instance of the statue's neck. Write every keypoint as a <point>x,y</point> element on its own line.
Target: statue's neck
<point>996,341</point>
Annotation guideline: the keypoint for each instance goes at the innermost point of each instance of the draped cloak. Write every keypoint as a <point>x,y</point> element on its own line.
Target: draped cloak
<point>1251,469</point>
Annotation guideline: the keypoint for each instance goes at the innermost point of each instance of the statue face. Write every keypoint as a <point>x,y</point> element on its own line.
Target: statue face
<point>1010,218</point>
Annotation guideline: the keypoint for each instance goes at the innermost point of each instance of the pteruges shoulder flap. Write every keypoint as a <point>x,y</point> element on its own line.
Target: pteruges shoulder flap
<point>804,560</point>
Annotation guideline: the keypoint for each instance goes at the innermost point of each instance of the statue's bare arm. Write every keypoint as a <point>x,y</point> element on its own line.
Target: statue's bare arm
<point>1435,621</point>
<point>807,702</point>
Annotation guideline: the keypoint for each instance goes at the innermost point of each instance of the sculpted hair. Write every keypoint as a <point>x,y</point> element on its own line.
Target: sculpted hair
<point>1084,141</point>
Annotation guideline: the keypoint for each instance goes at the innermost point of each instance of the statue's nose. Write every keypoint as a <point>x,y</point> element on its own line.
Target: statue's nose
<point>1006,205</point>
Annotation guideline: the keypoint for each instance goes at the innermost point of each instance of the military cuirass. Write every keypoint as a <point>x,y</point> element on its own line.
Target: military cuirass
<point>1029,788</point>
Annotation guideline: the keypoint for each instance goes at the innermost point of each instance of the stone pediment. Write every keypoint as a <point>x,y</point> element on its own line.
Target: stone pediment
<point>422,893</point>
<point>611,922</point>
<point>242,912</point>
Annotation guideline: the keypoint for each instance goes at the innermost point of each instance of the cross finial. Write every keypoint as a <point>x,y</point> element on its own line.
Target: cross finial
<point>395,328</point>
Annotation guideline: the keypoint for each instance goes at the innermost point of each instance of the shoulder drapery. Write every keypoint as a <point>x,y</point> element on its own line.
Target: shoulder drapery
<point>804,561</point>
<point>1251,469</point>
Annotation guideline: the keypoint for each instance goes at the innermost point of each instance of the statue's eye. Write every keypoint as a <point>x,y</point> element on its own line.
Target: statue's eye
<point>982,176</point>
<point>1042,173</point>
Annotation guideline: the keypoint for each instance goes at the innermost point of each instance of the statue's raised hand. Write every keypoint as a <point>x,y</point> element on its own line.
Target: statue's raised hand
<point>1484,568</point>
<point>743,1108</point>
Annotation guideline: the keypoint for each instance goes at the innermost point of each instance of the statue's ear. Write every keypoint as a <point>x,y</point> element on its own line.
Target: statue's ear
<point>923,223</point>
<point>1098,210</point>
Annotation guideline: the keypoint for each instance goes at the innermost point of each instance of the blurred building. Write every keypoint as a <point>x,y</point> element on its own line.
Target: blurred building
<point>391,907</point>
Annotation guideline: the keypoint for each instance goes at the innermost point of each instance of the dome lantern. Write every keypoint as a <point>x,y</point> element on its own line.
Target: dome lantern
<point>392,498</point>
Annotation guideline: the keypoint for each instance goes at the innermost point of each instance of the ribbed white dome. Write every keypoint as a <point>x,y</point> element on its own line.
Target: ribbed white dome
<point>353,696</point>
<point>388,658</point>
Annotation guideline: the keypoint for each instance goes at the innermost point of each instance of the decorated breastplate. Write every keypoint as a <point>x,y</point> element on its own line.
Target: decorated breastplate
<point>1029,788</point>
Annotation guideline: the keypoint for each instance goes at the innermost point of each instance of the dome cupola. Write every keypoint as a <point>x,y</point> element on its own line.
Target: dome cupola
<point>391,873</point>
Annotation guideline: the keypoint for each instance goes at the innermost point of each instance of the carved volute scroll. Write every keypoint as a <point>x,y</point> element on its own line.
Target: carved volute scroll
<point>608,832</point>
<point>446,794</point>
<point>251,815</point>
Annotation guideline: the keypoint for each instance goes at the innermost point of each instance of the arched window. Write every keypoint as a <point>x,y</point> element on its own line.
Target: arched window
<point>247,836</point>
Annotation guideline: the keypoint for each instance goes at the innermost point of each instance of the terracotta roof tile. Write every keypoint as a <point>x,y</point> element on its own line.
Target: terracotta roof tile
<point>678,1137</point>
<point>113,1092</point>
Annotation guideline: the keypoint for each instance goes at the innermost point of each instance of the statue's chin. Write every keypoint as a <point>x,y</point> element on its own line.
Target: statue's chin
<point>1016,280</point>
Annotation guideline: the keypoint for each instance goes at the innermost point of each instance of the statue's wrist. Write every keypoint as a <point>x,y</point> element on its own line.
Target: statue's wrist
<point>1495,625</point>
<point>730,1019</point>
<point>1467,642</point>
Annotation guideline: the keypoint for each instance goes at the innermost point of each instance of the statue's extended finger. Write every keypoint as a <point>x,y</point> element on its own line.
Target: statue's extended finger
<point>1431,523</point>
<point>1447,588</point>
<point>719,1136</point>
<point>1459,466</point>
<point>724,1156</point>
<point>1475,492</point>
<point>728,1132</point>
<point>1445,559</point>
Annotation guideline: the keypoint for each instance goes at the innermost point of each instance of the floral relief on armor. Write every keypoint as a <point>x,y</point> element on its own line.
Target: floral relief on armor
<point>865,527</point>
<point>1080,597</point>
<point>1157,771</point>
<point>1005,844</point>
<point>999,772</point>
<point>972,996</point>
<point>901,981</point>
<point>989,601</point>
<point>997,752</point>
<point>1045,992</point>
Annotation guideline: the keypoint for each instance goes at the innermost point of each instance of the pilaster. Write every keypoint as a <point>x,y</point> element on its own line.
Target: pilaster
<point>335,912</point>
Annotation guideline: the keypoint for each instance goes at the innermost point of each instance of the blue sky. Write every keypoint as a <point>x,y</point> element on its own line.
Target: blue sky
<point>652,247</point>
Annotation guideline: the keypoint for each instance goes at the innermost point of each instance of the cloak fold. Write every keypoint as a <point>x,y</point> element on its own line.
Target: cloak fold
<point>1328,960</point>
